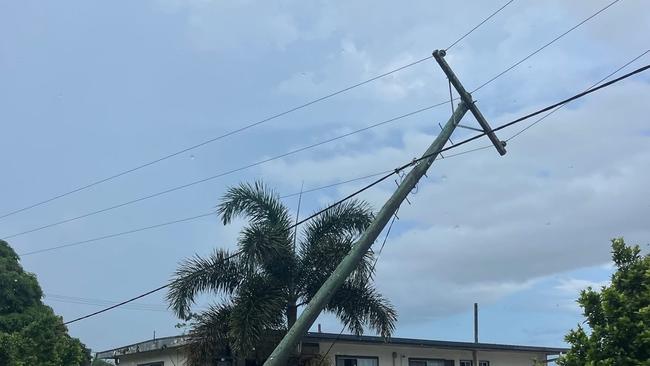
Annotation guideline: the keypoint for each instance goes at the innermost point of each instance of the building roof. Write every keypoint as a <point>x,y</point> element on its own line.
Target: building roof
<point>176,341</point>
<point>411,342</point>
<point>144,346</point>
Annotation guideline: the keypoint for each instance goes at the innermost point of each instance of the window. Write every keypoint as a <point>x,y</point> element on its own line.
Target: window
<point>430,362</point>
<point>356,361</point>
<point>469,363</point>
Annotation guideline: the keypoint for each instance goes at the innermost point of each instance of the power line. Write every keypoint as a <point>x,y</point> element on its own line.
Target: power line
<point>227,134</point>
<point>126,307</point>
<point>136,297</point>
<point>81,242</point>
<point>219,175</point>
<point>533,114</point>
<point>562,106</point>
<point>588,91</point>
<point>173,189</point>
<point>554,109</point>
<point>87,299</point>
<point>248,126</point>
<point>397,170</point>
<point>478,25</point>
<point>337,184</point>
<point>544,46</point>
<point>185,219</point>
<point>116,305</point>
<point>511,123</point>
<point>236,254</point>
<point>101,302</point>
<point>196,217</point>
<point>191,218</point>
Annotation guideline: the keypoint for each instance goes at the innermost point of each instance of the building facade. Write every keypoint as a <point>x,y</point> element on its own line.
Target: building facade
<point>349,350</point>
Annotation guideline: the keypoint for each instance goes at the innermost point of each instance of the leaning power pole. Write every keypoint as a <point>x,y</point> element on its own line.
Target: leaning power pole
<point>281,354</point>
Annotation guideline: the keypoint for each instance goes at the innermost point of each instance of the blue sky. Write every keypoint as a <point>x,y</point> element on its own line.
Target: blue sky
<point>92,88</point>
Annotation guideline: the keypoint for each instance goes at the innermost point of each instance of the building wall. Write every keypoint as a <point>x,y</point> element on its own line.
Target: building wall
<point>385,354</point>
<point>174,357</point>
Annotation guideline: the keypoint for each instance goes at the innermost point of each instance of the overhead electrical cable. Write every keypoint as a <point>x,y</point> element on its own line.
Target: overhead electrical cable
<point>364,177</point>
<point>222,174</point>
<point>248,126</point>
<point>396,171</point>
<point>101,302</point>
<point>563,105</point>
<point>544,46</point>
<point>313,145</point>
<point>227,134</point>
<point>206,214</point>
<point>478,25</point>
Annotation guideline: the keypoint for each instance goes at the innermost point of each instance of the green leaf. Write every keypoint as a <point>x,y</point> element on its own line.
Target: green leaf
<point>30,332</point>
<point>196,275</point>
<point>618,315</point>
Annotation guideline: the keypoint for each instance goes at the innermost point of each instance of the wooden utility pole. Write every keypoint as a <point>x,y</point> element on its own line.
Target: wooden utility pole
<point>351,261</point>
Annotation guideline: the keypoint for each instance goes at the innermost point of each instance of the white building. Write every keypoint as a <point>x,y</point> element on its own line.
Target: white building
<point>349,350</point>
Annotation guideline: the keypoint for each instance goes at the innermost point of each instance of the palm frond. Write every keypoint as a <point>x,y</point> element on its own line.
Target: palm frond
<point>218,273</point>
<point>350,218</point>
<point>317,262</point>
<point>258,308</point>
<point>329,237</point>
<point>264,282</point>
<point>255,201</point>
<point>358,306</point>
<point>265,246</point>
<point>208,337</point>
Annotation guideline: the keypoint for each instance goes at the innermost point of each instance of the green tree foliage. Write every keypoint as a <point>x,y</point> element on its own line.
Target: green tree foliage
<point>618,317</point>
<point>275,274</point>
<point>30,332</point>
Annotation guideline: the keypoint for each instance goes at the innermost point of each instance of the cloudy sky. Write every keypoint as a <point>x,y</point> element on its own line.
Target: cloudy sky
<point>90,89</point>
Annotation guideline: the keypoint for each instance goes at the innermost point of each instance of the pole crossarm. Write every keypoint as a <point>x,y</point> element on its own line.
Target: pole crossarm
<point>466,97</point>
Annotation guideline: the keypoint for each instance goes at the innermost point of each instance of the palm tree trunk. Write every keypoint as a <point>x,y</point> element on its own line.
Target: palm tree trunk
<point>292,313</point>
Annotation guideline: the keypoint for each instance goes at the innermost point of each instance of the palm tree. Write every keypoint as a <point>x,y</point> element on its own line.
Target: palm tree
<point>278,270</point>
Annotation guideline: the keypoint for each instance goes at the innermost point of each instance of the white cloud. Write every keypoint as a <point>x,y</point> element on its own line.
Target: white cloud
<point>573,286</point>
<point>356,64</point>
<point>567,291</point>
